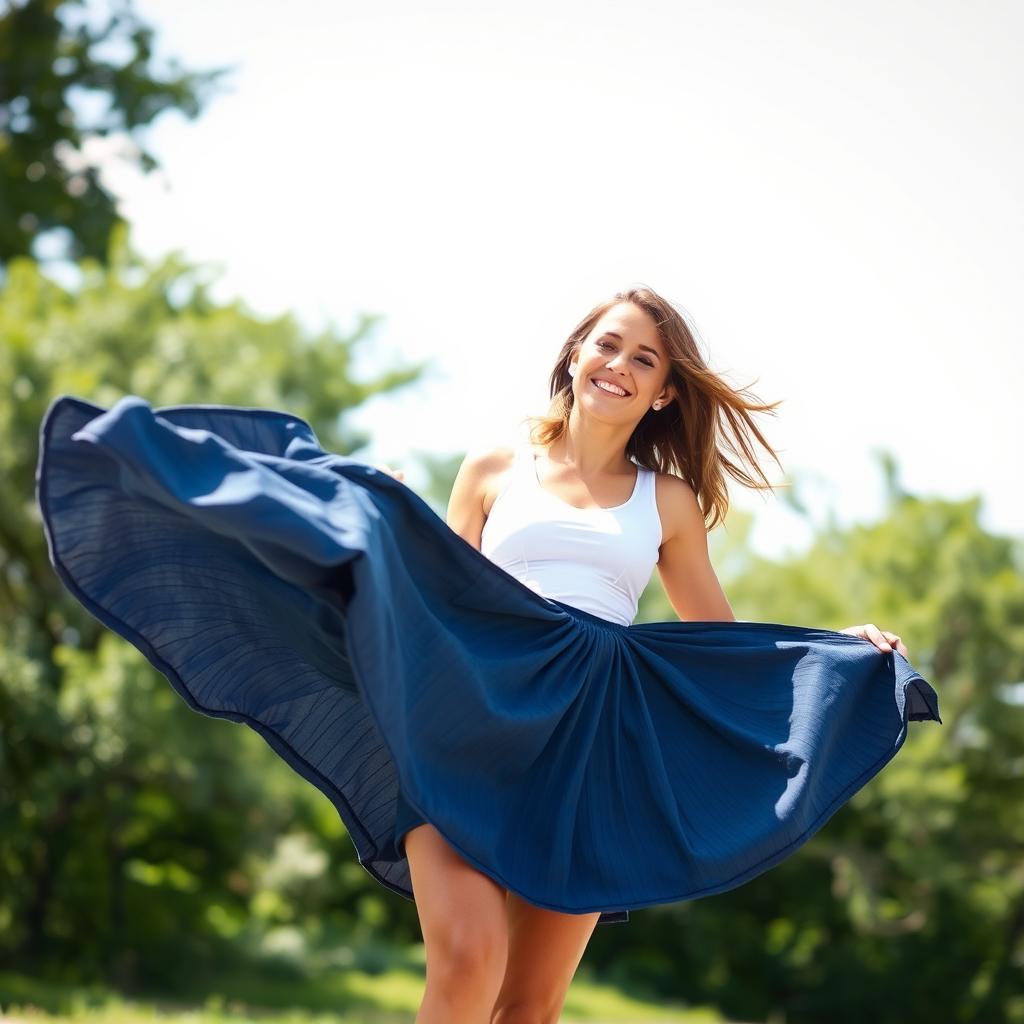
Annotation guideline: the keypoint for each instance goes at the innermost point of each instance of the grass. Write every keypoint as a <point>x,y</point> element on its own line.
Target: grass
<point>341,997</point>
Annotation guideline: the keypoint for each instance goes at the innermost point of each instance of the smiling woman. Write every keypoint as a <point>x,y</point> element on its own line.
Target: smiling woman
<point>503,742</point>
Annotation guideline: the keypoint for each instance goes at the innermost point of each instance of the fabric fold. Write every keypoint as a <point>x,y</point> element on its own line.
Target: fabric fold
<point>583,764</point>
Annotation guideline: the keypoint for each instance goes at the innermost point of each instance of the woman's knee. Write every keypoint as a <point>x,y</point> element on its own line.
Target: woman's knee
<point>461,910</point>
<point>466,949</point>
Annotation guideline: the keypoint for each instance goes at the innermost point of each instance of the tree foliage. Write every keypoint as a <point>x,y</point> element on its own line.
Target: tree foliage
<point>909,904</point>
<point>127,819</point>
<point>59,87</point>
<point>140,841</point>
<point>130,822</point>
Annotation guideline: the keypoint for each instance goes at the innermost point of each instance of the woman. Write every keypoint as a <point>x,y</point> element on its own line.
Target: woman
<point>496,733</point>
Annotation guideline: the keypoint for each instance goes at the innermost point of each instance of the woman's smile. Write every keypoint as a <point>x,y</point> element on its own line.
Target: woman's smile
<point>608,389</point>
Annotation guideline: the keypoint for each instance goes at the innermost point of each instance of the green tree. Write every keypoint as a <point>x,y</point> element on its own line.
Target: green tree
<point>909,903</point>
<point>52,69</point>
<point>128,821</point>
<point>114,795</point>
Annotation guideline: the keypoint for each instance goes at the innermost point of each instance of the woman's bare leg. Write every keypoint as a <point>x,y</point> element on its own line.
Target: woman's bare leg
<point>462,915</point>
<point>544,949</point>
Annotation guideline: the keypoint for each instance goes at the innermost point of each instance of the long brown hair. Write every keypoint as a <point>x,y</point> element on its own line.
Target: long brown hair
<point>687,437</point>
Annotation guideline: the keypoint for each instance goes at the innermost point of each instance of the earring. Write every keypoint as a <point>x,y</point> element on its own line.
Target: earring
<point>572,370</point>
<point>657,405</point>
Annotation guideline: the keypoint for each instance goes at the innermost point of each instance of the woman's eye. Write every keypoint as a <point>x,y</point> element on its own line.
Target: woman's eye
<point>604,344</point>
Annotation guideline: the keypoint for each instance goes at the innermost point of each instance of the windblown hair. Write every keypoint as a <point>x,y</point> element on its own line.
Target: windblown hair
<point>687,437</point>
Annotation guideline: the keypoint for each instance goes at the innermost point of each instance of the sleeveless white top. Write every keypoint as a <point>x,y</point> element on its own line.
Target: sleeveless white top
<point>596,559</point>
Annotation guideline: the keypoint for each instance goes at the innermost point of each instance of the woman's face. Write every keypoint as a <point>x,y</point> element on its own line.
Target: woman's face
<point>624,350</point>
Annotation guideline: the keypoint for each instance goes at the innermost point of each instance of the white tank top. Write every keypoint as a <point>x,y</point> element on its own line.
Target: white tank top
<point>597,559</point>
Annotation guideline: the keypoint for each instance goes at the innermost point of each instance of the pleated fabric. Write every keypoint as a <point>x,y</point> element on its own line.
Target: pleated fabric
<point>583,764</point>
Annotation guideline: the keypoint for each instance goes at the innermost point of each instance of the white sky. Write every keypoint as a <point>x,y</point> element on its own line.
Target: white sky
<point>830,191</point>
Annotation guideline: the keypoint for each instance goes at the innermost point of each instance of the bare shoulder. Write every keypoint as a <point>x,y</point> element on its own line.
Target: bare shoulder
<point>485,469</point>
<point>678,508</point>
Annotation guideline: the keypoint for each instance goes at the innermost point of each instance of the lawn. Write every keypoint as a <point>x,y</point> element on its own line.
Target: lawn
<point>344,997</point>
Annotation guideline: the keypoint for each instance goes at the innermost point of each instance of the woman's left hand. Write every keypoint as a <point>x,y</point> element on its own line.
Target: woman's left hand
<point>396,473</point>
<point>881,638</point>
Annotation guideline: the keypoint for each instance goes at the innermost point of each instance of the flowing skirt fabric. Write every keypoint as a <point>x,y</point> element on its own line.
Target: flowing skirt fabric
<point>584,765</point>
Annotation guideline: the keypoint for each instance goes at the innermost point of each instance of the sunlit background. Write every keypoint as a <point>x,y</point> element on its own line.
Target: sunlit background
<point>830,192</point>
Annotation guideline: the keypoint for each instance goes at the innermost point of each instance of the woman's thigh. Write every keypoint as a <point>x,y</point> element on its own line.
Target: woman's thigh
<point>544,949</point>
<point>462,911</point>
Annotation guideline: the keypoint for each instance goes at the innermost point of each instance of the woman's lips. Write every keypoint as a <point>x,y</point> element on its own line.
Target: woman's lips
<point>603,391</point>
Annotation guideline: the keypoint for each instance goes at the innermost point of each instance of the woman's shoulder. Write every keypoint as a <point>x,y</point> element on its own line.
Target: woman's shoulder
<point>488,465</point>
<point>678,507</point>
<point>673,485</point>
<point>491,457</point>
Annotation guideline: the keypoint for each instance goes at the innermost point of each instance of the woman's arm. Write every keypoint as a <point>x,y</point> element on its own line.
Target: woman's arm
<point>480,477</point>
<point>684,564</point>
<point>688,577</point>
<point>465,514</point>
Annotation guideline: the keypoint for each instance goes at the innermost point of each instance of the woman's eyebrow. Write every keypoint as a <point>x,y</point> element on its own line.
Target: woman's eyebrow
<point>646,348</point>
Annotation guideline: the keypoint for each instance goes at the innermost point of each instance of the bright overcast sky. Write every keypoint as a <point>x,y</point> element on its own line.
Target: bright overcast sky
<point>830,191</point>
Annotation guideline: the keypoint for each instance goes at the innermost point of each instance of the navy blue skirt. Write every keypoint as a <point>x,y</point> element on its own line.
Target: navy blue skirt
<point>582,764</point>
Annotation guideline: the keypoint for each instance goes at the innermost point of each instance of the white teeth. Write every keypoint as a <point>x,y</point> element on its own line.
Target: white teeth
<point>605,386</point>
